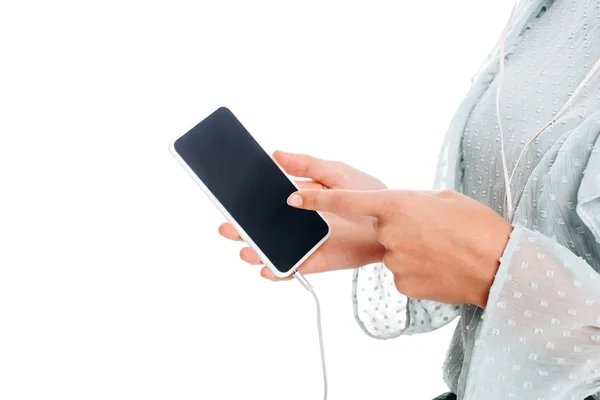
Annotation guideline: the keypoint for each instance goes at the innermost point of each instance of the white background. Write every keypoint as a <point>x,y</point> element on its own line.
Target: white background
<point>113,281</point>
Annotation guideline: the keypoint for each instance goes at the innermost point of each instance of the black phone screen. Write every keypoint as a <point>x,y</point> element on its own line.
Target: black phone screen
<point>251,187</point>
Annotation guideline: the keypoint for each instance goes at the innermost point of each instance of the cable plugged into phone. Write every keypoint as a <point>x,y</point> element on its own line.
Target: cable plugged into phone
<point>300,278</point>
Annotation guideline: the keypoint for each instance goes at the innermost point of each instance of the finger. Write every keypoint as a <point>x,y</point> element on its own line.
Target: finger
<point>362,202</point>
<point>267,274</point>
<point>250,256</point>
<point>329,173</point>
<point>228,231</point>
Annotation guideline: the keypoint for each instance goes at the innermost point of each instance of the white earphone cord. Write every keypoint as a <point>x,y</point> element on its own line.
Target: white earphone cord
<point>308,287</point>
<point>508,177</point>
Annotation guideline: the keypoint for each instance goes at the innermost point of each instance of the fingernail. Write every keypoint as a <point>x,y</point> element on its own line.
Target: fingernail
<point>295,200</point>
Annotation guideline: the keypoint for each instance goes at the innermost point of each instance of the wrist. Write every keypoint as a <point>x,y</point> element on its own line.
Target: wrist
<point>488,262</point>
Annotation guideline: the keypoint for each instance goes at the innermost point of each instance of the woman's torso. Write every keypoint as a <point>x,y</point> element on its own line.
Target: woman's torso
<point>549,60</point>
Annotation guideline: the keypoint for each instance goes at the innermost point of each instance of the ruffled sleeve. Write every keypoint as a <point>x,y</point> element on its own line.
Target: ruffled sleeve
<point>541,328</point>
<point>384,313</point>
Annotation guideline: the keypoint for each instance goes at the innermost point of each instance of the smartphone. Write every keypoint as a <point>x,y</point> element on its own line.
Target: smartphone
<point>251,190</point>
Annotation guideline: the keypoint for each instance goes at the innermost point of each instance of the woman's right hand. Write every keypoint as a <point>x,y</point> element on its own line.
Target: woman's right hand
<point>352,242</point>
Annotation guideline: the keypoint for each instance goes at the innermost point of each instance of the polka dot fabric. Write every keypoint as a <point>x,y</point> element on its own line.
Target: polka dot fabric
<point>384,313</point>
<point>539,337</point>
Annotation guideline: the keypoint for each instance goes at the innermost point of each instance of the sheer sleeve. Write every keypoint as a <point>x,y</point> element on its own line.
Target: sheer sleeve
<point>384,313</point>
<point>541,328</point>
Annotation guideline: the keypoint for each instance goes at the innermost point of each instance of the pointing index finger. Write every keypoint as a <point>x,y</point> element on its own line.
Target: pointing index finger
<point>362,202</point>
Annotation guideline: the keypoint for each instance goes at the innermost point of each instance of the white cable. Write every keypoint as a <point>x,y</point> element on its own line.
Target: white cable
<point>308,287</point>
<point>508,203</point>
<point>508,177</point>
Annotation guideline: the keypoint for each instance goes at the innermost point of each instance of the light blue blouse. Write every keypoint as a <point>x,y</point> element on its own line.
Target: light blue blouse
<point>539,337</point>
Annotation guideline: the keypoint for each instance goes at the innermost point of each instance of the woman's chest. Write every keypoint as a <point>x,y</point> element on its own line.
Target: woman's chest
<point>547,63</point>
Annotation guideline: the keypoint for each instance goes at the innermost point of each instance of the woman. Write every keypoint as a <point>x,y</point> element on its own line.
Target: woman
<point>526,287</point>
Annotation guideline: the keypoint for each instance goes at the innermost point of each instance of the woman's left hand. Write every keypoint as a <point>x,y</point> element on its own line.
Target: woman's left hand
<point>440,246</point>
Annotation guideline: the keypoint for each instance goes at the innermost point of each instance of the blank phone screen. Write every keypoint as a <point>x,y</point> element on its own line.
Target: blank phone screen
<point>251,187</point>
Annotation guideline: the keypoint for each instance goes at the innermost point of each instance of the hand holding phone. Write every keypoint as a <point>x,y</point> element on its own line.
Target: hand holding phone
<point>352,243</point>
